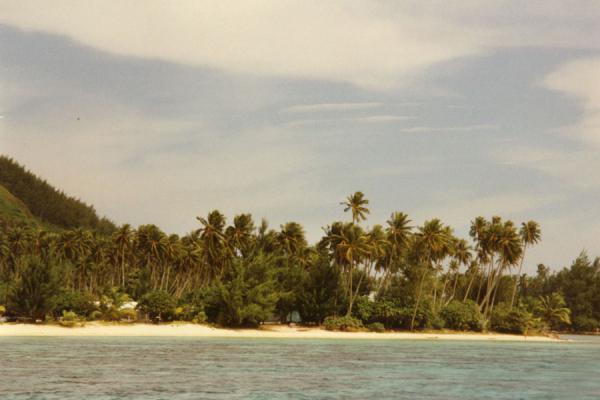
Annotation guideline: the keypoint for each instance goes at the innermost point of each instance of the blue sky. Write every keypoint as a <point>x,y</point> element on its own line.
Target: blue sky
<point>160,113</point>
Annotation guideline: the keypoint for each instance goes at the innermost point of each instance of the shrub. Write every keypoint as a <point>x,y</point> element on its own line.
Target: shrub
<point>95,315</point>
<point>435,321</point>
<point>348,324</point>
<point>158,305</point>
<point>376,327</point>
<point>200,318</point>
<point>2,310</point>
<point>70,319</point>
<point>516,320</point>
<point>80,303</point>
<point>462,316</point>
<point>585,324</point>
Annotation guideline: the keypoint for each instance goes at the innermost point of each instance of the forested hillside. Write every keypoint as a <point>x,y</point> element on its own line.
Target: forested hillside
<point>43,201</point>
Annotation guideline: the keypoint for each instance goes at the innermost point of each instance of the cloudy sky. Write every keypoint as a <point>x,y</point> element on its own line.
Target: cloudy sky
<point>160,111</point>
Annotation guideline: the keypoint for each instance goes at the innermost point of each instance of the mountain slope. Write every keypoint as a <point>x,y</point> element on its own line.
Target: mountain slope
<point>26,196</point>
<point>13,209</point>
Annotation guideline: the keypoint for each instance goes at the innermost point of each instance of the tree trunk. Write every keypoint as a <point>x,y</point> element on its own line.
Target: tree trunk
<point>512,300</point>
<point>412,321</point>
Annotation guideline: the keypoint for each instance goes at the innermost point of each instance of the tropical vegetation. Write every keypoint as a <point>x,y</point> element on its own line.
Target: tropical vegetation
<point>397,275</point>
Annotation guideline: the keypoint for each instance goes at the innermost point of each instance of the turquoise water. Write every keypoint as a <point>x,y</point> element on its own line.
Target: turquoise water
<point>201,368</point>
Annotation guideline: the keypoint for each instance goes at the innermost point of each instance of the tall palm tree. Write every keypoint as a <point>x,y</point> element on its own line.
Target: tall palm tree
<point>350,247</point>
<point>356,203</point>
<point>530,234</point>
<point>212,234</point>
<point>240,234</point>
<point>291,238</point>
<point>398,232</point>
<point>122,240</point>
<point>433,244</point>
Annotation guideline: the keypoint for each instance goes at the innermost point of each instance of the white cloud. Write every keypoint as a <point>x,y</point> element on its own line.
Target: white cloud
<point>579,79</point>
<point>354,42</point>
<point>370,44</point>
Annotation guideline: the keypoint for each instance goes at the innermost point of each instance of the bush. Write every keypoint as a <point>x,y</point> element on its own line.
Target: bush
<point>158,305</point>
<point>585,324</point>
<point>516,320</point>
<point>348,324</point>
<point>462,316</point>
<point>77,302</point>
<point>435,321</point>
<point>70,319</point>
<point>376,327</point>
<point>2,310</point>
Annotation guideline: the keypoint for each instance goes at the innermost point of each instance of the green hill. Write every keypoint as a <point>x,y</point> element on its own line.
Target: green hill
<point>25,197</point>
<point>13,209</point>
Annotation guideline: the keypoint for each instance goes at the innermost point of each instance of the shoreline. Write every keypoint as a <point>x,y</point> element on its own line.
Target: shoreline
<point>267,332</point>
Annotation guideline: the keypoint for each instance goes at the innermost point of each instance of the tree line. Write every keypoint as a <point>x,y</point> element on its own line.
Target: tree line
<point>389,276</point>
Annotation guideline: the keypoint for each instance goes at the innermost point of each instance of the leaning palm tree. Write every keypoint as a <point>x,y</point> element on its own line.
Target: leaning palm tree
<point>356,204</point>
<point>530,234</point>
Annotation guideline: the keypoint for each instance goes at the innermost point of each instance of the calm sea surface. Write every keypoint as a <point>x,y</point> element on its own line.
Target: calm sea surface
<point>200,368</point>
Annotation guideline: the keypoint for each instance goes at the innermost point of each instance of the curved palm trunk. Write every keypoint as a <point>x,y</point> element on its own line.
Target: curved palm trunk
<point>512,300</point>
<point>469,288</point>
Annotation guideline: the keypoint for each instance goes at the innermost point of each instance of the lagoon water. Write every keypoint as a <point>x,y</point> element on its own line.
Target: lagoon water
<point>203,368</point>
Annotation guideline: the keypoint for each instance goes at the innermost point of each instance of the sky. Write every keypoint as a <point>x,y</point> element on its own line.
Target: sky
<point>158,111</point>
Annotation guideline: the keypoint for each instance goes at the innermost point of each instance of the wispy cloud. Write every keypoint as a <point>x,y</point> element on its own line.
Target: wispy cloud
<point>369,119</point>
<point>325,107</point>
<point>464,128</point>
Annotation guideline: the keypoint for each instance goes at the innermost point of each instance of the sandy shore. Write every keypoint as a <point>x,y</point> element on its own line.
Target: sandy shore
<point>270,331</point>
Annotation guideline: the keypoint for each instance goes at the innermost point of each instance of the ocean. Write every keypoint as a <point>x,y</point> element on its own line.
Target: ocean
<point>207,368</point>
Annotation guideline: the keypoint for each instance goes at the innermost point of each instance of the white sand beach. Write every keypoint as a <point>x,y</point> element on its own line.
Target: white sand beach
<point>266,332</point>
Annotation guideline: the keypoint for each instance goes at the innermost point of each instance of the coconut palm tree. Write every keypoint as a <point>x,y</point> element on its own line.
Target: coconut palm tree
<point>356,204</point>
<point>291,239</point>
<point>122,240</point>
<point>216,251</point>
<point>432,242</point>
<point>553,309</point>
<point>241,234</point>
<point>350,247</point>
<point>530,234</point>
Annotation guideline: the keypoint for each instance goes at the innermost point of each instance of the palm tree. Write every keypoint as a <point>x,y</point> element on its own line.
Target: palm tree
<point>553,309</point>
<point>240,234</point>
<point>356,204</point>
<point>291,238</point>
<point>432,244</point>
<point>122,239</point>
<point>350,245</point>
<point>398,234</point>
<point>530,234</point>
<point>216,251</point>
<point>506,243</point>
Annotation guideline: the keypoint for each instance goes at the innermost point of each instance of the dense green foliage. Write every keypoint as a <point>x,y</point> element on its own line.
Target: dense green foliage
<point>43,201</point>
<point>345,323</point>
<point>392,276</point>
